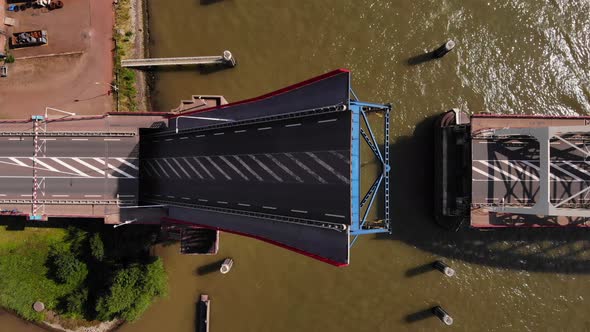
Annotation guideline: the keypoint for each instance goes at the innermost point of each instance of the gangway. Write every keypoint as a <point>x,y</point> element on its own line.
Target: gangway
<point>225,59</point>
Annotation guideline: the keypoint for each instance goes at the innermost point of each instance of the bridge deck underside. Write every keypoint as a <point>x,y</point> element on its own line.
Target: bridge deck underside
<point>505,172</point>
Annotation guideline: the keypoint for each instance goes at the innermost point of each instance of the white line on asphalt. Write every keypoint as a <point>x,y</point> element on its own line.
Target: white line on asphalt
<point>298,211</point>
<point>485,174</point>
<point>293,125</point>
<point>269,207</point>
<point>501,171</point>
<point>89,196</point>
<point>2,195</point>
<point>60,195</point>
<point>99,171</point>
<point>204,168</point>
<point>268,170</point>
<point>48,139</point>
<point>26,195</point>
<point>181,168</point>
<point>218,168</point>
<point>185,137</point>
<point>579,169</point>
<point>75,176</point>
<point>520,169</point>
<point>127,163</point>
<point>217,134</point>
<point>162,168</point>
<point>538,169</point>
<point>169,139</point>
<point>186,198</point>
<point>283,167</point>
<point>79,139</point>
<point>155,141</point>
<point>198,136</point>
<point>340,156</point>
<point>157,195</point>
<point>15,139</point>
<point>243,204</point>
<point>239,131</point>
<point>112,139</point>
<point>334,215</point>
<point>203,200</point>
<point>264,128</point>
<point>115,168</point>
<point>191,166</point>
<point>18,162</point>
<point>127,196</point>
<point>153,168</point>
<point>566,172</point>
<point>326,121</point>
<point>248,168</point>
<point>221,202</point>
<point>172,168</point>
<point>234,168</point>
<point>305,168</point>
<point>66,165</point>
<point>170,196</point>
<point>38,161</point>
<point>328,167</point>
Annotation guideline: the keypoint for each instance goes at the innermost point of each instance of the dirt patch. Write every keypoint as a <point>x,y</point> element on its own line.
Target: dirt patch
<point>73,72</point>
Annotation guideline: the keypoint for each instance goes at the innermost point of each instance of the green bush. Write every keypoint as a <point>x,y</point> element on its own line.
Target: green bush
<point>97,247</point>
<point>75,303</point>
<point>9,58</point>
<point>132,291</point>
<point>68,269</point>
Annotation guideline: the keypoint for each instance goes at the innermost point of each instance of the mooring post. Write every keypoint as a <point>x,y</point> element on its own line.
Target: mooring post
<point>444,49</point>
<point>226,266</point>
<point>442,315</point>
<point>444,268</point>
<point>229,58</point>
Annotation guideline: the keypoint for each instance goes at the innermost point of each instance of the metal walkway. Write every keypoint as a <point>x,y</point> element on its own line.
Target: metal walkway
<point>225,59</point>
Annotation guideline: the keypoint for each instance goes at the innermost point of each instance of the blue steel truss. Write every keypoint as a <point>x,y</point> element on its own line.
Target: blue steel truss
<point>360,224</point>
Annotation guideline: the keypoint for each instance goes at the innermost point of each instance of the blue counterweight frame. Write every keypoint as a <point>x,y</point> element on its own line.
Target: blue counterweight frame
<point>359,225</point>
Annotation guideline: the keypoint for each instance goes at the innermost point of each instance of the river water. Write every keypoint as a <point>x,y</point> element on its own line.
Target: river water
<point>519,56</point>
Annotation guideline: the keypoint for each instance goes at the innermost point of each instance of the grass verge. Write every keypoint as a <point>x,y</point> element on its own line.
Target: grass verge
<point>125,78</point>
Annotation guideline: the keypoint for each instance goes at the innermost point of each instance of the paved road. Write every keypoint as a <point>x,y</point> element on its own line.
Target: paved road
<point>508,171</point>
<point>97,168</point>
<point>296,168</point>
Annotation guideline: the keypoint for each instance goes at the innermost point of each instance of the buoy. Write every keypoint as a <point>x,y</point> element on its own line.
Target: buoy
<point>226,266</point>
<point>444,268</point>
<point>444,49</point>
<point>442,315</point>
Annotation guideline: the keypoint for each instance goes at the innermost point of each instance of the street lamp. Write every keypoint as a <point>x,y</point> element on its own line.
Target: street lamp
<point>127,222</point>
<point>115,89</point>
<point>200,118</point>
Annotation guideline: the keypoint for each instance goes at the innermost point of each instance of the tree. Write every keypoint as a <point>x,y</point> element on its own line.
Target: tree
<point>75,303</point>
<point>68,269</point>
<point>97,247</point>
<point>132,290</point>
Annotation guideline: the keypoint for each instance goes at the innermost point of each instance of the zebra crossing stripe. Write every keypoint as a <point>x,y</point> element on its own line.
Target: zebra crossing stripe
<point>218,168</point>
<point>68,166</point>
<point>162,168</point>
<point>305,168</point>
<point>194,169</point>
<point>127,163</point>
<point>125,174</point>
<point>248,168</point>
<point>181,168</point>
<point>328,167</point>
<point>172,168</point>
<point>283,167</point>
<point>234,168</point>
<point>99,171</point>
<point>203,167</point>
<point>268,170</point>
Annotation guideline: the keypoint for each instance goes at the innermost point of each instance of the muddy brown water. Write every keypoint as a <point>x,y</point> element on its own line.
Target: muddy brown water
<point>520,56</point>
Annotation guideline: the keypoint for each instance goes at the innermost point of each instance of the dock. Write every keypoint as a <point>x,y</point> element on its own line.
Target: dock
<point>204,310</point>
<point>225,59</point>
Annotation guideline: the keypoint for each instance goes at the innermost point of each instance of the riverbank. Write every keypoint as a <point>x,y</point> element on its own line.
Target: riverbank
<point>130,36</point>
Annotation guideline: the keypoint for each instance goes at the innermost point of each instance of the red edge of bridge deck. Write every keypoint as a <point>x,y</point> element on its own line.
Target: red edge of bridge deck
<point>278,244</point>
<point>534,116</point>
<point>270,94</point>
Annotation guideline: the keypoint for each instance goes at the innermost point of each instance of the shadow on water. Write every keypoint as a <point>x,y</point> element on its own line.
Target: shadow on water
<point>419,316</point>
<point>421,58</point>
<point>209,2</point>
<point>422,269</point>
<point>201,69</point>
<point>564,250</point>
